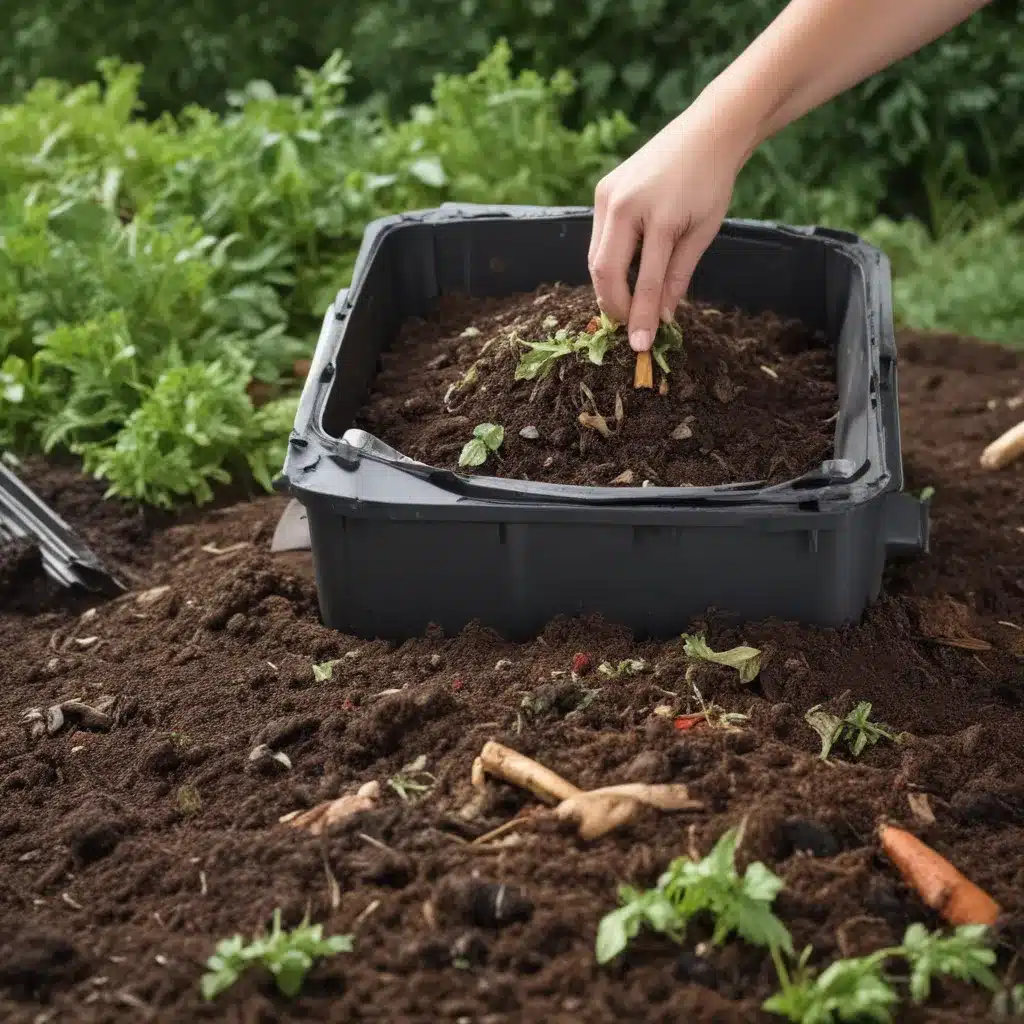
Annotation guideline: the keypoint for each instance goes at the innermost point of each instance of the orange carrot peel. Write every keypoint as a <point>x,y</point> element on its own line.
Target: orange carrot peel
<point>940,885</point>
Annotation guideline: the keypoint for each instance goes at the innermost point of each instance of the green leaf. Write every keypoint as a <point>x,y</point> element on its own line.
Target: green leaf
<point>474,453</point>
<point>428,170</point>
<point>826,725</point>
<point>324,670</point>
<point>540,358</point>
<point>965,955</point>
<point>491,434</point>
<point>79,220</point>
<point>746,660</point>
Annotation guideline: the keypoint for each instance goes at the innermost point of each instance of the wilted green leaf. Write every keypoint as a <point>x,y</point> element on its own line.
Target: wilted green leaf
<point>746,660</point>
<point>826,725</point>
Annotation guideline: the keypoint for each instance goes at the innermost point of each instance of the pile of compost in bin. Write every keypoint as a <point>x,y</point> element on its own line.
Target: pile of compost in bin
<point>130,847</point>
<point>737,398</point>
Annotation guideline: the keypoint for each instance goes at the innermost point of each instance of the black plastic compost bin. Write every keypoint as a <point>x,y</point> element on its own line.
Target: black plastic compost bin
<point>399,545</point>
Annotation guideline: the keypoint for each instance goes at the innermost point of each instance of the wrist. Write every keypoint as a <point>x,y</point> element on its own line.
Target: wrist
<point>736,116</point>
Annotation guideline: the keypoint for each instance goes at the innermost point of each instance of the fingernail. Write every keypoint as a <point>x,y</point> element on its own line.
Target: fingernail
<point>640,339</point>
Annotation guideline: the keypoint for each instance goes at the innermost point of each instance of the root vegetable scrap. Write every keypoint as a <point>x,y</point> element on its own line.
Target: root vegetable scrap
<point>559,379</point>
<point>940,885</point>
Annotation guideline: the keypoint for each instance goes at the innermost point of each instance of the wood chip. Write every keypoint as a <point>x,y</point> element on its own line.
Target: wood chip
<point>624,478</point>
<point>643,376</point>
<point>620,410</point>
<point>320,818</point>
<point>682,433</point>
<point>770,372</point>
<point>595,421</point>
<point>921,808</point>
<point>212,549</point>
<point>148,597</point>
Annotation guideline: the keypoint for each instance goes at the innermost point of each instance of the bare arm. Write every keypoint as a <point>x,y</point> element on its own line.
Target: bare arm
<point>673,193</point>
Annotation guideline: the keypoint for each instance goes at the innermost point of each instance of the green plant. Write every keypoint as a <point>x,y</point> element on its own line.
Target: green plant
<point>413,780</point>
<point>848,991</point>
<point>486,440</point>
<point>157,276</point>
<point>855,729</point>
<point>858,989</point>
<point>737,904</point>
<point>288,956</point>
<point>745,660</point>
<point>963,955</point>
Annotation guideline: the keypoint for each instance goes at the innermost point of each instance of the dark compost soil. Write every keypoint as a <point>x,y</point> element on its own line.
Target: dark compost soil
<point>751,398</point>
<point>126,854</point>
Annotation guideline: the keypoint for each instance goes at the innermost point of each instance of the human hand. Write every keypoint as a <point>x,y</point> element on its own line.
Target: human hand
<point>671,195</point>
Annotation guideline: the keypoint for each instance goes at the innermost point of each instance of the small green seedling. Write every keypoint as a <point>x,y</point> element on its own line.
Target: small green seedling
<point>737,904</point>
<point>746,660</point>
<point>848,990</point>
<point>927,494</point>
<point>412,780</point>
<point>964,955</point>
<point>629,667</point>
<point>487,438</point>
<point>855,729</point>
<point>288,956</point>
<point>858,989</point>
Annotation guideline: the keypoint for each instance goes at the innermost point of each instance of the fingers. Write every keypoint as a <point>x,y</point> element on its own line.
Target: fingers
<point>597,228</point>
<point>609,266</point>
<point>645,311</point>
<point>681,266</point>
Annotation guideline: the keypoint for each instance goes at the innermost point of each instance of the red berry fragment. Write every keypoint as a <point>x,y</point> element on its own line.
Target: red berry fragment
<point>457,685</point>
<point>686,722</point>
<point>582,663</point>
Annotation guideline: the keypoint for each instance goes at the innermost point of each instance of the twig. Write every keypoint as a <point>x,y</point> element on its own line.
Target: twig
<point>375,842</point>
<point>509,826</point>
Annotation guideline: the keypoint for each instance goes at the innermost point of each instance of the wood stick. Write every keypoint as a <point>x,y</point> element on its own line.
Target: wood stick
<point>1004,449</point>
<point>526,773</point>
<point>643,376</point>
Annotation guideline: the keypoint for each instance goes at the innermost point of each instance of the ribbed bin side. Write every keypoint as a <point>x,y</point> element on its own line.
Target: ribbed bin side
<point>516,577</point>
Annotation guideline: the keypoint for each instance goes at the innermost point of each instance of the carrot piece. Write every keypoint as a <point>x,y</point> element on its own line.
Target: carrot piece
<point>940,885</point>
<point>643,377</point>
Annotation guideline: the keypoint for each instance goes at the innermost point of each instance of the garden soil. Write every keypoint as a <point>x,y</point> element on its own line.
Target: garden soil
<point>128,852</point>
<point>753,398</point>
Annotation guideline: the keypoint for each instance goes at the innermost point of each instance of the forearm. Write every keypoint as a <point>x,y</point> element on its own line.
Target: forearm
<point>816,49</point>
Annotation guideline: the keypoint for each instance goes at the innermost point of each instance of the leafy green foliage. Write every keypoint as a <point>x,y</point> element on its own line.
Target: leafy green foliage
<point>487,438</point>
<point>873,144</point>
<point>540,357</point>
<point>737,904</point>
<point>855,729</point>
<point>152,272</point>
<point>964,955</point>
<point>746,660</point>
<point>858,989</point>
<point>288,956</point>
<point>851,990</point>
